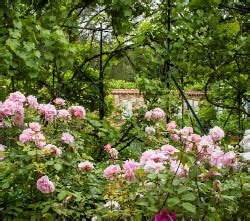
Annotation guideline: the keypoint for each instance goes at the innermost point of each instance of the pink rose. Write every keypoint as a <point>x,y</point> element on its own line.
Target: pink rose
<point>171,126</point>
<point>112,171</point>
<point>149,130</point>
<point>67,138</point>
<point>59,101</point>
<point>148,115</point>
<point>26,136</point>
<point>86,166</point>
<point>39,140</point>
<point>45,185</point>
<point>129,167</point>
<point>2,149</point>
<point>216,133</point>
<point>35,126</point>
<point>17,97</point>
<point>107,147</point>
<point>78,111</point>
<point>48,111</point>
<point>228,158</point>
<point>32,101</point>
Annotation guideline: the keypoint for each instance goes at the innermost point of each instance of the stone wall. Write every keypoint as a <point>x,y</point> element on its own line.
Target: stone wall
<point>132,98</point>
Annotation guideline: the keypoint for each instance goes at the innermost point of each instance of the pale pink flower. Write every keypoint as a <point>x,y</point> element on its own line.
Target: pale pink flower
<point>32,101</point>
<point>59,101</point>
<point>107,147</point>
<point>152,166</point>
<point>149,130</point>
<point>39,140</point>
<point>228,158</point>
<point>216,157</point>
<point>174,137</point>
<point>48,111</point>
<point>171,126</point>
<point>18,118</point>
<point>2,124</point>
<point>35,126</point>
<point>49,147</point>
<point>185,132</point>
<point>2,149</point>
<point>67,138</point>
<point>194,138</point>
<point>112,171</point>
<point>168,149</point>
<point>158,114</point>
<point>78,111</point>
<point>17,97</point>
<point>26,136</point>
<point>178,168</point>
<point>45,185</point>
<point>148,115</point>
<point>147,156</point>
<point>216,133</point>
<point>64,114</point>
<point>86,166</point>
<point>8,108</point>
<point>129,168</point>
<point>57,151</point>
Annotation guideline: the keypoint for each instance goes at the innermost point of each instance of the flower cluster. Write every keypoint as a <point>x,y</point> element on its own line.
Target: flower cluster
<point>156,114</point>
<point>13,107</point>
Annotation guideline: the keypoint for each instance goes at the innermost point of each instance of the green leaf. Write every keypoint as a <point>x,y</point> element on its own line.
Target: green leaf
<point>46,209</point>
<point>173,201</point>
<point>189,207</point>
<point>188,197</point>
<point>62,195</point>
<point>58,166</point>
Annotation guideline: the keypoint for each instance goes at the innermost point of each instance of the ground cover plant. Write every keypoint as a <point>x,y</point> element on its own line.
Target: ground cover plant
<point>51,168</point>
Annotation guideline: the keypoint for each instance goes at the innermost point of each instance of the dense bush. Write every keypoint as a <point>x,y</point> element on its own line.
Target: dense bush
<point>54,167</point>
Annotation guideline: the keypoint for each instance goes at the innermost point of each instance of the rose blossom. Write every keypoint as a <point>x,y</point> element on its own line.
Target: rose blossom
<point>45,185</point>
<point>178,168</point>
<point>64,114</point>
<point>2,149</point>
<point>171,126</point>
<point>129,167</point>
<point>77,111</point>
<point>149,130</point>
<point>86,166</point>
<point>35,126</point>
<point>148,115</point>
<point>17,97</point>
<point>48,111</point>
<point>168,149</point>
<point>59,101</point>
<point>228,158</point>
<point>158,114</point>
<point>26,135</point>
<point>32,101</point>
<point>39,140</point>
<point>164,215</point>
<point>67,138</point>
<point>216,133</point>
<point>152,166</point>
<point>174,137</point>
<point>107,147</point>
<point>112,171</point>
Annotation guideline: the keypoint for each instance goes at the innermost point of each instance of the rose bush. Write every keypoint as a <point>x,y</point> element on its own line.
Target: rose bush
<point>64,164</point>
